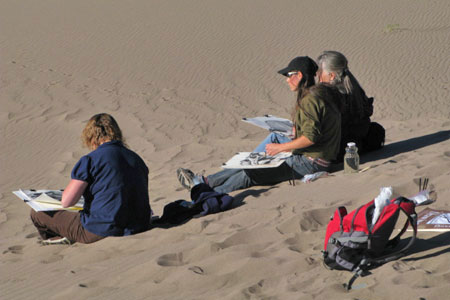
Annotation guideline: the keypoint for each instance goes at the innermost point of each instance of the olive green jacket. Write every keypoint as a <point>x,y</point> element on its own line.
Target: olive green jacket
<point>320,121</point>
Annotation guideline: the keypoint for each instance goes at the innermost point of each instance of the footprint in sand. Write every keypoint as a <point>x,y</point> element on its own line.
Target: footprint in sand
<point>197,270</point>
<point>293,244</point>
<point>32,235</point>
<point>215,247</point>
<point>171,260</point>
<point>52,259</point>
<point>310,261</point>
<point>295,249</point>
<point>256,288</point>
<point>88,285</point>
<point>312,220</point>
<point>14,249</point>
<point>402,267</point>
<point>447,153</point>
<point>257,254</point>
<point>204,224</point>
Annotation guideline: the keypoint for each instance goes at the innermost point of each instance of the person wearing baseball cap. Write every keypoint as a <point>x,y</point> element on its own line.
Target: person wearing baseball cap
<point>299,72</point>
<point>303,64</point>
<point>317,133</point>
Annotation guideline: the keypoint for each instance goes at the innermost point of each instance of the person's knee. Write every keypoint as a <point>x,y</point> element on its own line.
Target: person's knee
<point>274,137</point>
<point>41,216</point>
<point>34,215</point>
<point>223,189</point>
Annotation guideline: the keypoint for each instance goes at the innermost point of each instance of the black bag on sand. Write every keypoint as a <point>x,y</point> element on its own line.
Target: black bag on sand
<point>375,137</point>
<point>205,201</point>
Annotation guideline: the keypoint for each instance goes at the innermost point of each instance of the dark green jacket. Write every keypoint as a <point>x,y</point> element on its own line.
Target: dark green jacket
<point>319,120</point>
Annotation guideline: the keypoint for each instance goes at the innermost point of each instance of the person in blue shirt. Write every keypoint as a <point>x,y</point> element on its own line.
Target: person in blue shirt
<point>114,183</point>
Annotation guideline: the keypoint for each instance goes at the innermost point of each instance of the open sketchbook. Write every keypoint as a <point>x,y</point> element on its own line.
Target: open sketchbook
<point>255,160</point>
<point>272,123</point>
<point>46,200</point>
<point>433,220</point>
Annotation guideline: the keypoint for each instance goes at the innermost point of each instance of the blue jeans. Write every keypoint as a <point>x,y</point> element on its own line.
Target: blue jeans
<point>272,138</point>
<point>295,167</point>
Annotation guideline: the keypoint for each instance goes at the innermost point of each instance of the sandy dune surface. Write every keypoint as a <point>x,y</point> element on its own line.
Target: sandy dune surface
<point>179,76</point>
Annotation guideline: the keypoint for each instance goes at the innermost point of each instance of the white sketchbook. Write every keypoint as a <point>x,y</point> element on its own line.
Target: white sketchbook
<point>433,220</point>
<point>255,160</point>
<point>46,200</point>
<point>272,123</point>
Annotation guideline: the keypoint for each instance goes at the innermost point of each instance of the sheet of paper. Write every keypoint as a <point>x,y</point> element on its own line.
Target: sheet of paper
<point>46,200</point>
<point>244,160</point>
<point>433,220</point>
<point>272,123</point>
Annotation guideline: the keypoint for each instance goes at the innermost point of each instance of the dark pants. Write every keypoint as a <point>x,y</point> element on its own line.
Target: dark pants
<point>62,223</point>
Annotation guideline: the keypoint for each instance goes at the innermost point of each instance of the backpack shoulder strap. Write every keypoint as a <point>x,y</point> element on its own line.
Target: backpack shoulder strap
<point>352,228</point>
<point>412,219</point>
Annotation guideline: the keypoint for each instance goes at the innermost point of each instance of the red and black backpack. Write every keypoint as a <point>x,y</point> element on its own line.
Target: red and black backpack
<point>353,243</point>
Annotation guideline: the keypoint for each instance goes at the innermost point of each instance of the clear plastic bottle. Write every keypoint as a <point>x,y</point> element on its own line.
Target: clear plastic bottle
<point>351,159</point>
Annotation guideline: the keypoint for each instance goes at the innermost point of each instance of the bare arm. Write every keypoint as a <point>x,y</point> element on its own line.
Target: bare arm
<point>300,142</point>
<point>73,192</point>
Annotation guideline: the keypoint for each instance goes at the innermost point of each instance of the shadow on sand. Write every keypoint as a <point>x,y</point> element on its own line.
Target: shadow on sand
<point>408,145</point>
<point>422,245</point>
<point>396,148</point>
<point>239,198</point>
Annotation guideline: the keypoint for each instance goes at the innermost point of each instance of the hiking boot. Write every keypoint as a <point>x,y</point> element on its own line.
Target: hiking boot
<point>186,178</point>
<point>57,240</point>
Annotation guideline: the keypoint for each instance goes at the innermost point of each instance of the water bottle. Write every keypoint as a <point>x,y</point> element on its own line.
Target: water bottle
<point>351,159</point>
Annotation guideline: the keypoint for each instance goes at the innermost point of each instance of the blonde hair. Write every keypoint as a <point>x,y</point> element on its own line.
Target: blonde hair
<point>99,129</point>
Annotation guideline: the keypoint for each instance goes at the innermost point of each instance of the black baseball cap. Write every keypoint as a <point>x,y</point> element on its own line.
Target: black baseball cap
<point>303,64</point>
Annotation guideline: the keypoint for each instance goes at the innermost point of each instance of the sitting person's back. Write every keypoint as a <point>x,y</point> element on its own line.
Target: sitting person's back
<point>357,108</point>
<point>114,183</point>
<point>116,200</point>
<point>319,119</point>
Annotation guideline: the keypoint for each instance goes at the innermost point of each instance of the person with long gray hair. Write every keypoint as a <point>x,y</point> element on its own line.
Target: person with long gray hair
<point>357,108</point>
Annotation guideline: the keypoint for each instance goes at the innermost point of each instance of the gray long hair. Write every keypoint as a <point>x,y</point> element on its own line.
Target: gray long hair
<point>355,103</point>
<point>335,62</point>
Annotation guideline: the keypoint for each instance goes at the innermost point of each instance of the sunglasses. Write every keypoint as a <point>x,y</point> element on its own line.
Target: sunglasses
<point>289,74</point>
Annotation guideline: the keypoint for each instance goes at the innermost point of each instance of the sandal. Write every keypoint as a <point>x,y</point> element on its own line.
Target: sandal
<point>57,241</point>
